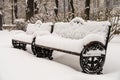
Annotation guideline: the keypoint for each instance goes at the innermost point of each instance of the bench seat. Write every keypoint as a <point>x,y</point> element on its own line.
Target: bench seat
<point>60,43</point>
<point>23,37</point>
<point>67,44</point>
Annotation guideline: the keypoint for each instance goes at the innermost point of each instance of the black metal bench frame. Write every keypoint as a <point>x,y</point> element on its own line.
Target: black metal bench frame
<point>89,64</point>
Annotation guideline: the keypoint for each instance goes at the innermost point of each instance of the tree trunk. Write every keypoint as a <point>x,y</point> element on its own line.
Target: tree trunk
<point>72,8</point>
<point>87,9</point>
<point>30,9</point>
<point>15,8</point>
<point>12,13</point>
<point>56,9</point>
<point>68,5</point>
<point>64,9</point>
<point>1,20</point>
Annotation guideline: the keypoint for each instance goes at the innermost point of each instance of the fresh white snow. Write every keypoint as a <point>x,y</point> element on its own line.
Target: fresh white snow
<point>60,43</point>
<point>24,37</point>
<point>79,31</point>
<point>37,29</point>
<point>67,36</point>
<point>94,53</point>
<point>72,30</point>
<point>16,64</point>
<point>74,45</point>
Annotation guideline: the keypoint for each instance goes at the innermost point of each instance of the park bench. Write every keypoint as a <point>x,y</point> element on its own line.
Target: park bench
<point>88,40</point>
<point>22,39</point>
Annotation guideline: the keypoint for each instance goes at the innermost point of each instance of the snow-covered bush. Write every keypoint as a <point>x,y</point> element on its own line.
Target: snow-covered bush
<point>111,15</point>
<point>21,24</point>
<point>114,19</point>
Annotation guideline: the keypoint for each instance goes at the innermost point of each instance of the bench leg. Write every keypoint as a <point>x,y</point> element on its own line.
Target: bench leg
<point>33,47</point>
<point>19,45</point>
<point>42,52</point>
<point>46,53</point>
<point>92,64</point>
<point>100,72</point>
<point>49,54</point>
<point>39,52</point>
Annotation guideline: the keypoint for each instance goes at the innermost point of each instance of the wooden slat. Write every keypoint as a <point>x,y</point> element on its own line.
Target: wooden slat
<point>69,52</point>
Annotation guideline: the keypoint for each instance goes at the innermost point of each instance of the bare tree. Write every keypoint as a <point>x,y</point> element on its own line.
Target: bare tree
<point>87,9</point>
<point>15,8</point>
<point>114,19</point>
<point>56,8</point>
<point>30,9</point>
<point>72,8</point>
<point>1,20</point>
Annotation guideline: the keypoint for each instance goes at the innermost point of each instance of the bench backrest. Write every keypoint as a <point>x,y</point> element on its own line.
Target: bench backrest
<point>46,26</point>
<point>78,31</point>
<point>32,28</point>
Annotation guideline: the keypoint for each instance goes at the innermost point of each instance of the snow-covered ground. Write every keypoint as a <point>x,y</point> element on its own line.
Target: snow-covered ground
<point>17,64</point>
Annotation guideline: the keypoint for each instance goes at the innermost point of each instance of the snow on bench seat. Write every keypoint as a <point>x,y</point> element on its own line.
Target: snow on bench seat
<point>72,37</point>
<point>59,43</point>
<point>73,45</point>
<point>32,31</point>
<point>23,37</point>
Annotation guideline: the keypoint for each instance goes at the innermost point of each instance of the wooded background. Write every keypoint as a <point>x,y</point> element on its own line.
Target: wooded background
<point>57,10</point>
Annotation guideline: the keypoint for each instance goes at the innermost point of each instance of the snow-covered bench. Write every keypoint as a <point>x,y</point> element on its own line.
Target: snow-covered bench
<point>20,40</point>
<point>85,39</point>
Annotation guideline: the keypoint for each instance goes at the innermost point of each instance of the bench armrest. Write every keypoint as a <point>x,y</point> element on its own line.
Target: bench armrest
<point>93,37</point>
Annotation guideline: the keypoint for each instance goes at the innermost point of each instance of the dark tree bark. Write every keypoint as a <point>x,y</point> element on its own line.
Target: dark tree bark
<point>68,5</point>
<point>30,9</point>
<point>12,11</point>
<point>56,9</point>
<point>87,9</point>
<point>72,8</point>
<point>15,8</point>
<point>1,20</point>
<point>64,8</point>
<point>36,7</point>
<point>12,15</point>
